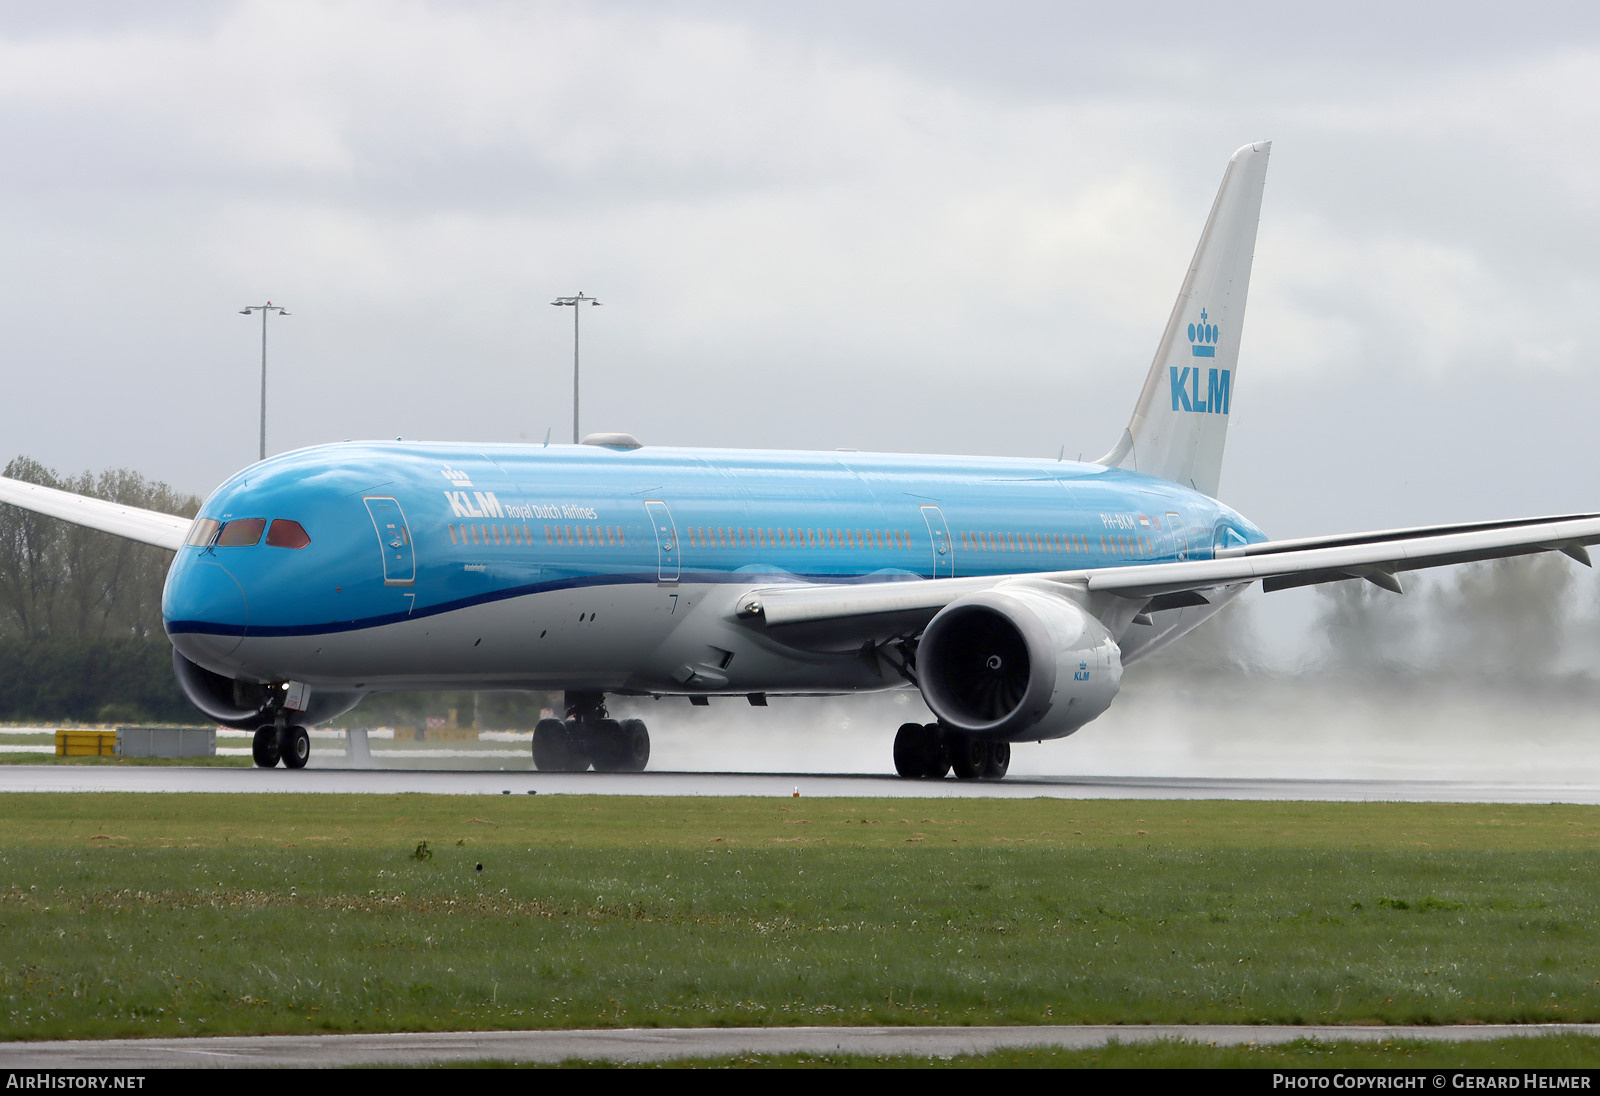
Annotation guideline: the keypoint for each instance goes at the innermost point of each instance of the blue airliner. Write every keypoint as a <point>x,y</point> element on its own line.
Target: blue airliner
<point>1010,593</point>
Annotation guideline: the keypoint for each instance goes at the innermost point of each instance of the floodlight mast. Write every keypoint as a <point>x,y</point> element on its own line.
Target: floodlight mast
<point>573,303</point>
<point>264,309</point>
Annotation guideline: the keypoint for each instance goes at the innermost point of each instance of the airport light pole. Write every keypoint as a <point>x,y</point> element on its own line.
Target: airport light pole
<point>265,310</point>
<point>574,303</point>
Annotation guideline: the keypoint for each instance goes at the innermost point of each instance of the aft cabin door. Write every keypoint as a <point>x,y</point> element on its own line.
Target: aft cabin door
<point>944,560</point>
<point>666,541</point>
<point>394,540</point>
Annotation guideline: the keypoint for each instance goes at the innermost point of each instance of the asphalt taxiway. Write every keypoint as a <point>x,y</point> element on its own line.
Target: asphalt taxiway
<point>84,778</point>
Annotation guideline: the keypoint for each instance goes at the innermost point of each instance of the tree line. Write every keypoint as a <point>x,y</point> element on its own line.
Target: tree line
<point>1529,622</point>
<point>80,610</point>
<point>63,581</point>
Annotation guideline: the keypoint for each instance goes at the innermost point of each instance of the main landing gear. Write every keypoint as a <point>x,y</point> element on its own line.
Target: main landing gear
<point>289,744</point>
<point>589,737</point>
<point>928,751</point>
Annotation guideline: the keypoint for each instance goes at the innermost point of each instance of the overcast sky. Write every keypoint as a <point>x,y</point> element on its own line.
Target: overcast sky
<point>913,226</point>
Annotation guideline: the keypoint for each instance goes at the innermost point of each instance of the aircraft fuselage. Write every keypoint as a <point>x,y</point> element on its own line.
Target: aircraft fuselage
<point>431,566</point>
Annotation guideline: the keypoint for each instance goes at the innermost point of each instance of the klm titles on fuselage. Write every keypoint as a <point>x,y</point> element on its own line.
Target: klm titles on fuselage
<point>1185,382</point>
<point>483,504</point>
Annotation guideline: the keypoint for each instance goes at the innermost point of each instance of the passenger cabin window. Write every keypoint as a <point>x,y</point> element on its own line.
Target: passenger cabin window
<point>244,533</point>
<point>284,533</point>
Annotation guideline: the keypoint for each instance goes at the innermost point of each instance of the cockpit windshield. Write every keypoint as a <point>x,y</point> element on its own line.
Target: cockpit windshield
<point>242,533</point>
<point>287,534</point>
<point>203,533</point>
<point>246,533</point>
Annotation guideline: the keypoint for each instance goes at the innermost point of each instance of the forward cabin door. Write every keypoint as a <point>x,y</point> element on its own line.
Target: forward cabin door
<point>944,560</point>
<point>666,540</point>
<point>394,540</point>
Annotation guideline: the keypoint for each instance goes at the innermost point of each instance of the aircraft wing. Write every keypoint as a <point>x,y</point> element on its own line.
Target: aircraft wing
<point>1277,565</point>
<point>147,526</point>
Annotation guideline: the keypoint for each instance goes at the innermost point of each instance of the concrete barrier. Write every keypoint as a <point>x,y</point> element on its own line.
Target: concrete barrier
<point>166,741</point>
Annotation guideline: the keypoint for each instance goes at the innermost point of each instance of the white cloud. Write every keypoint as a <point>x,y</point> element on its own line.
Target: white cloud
<point>760,209</point>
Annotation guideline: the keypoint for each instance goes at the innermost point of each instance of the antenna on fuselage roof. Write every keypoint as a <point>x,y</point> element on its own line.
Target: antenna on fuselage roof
<point>1061,456</point>
<point>547,436</point>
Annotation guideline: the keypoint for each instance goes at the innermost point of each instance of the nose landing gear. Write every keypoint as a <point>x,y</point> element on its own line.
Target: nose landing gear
<point>264,747</point>
<point>289,744</point>
<point>294,747</point>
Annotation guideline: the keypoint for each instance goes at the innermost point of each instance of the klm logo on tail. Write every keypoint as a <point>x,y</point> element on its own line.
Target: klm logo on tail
<point>1185,382</point>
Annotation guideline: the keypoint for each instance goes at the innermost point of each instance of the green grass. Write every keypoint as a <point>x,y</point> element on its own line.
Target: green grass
<point>1530,1052</point>
<point>188,914</point>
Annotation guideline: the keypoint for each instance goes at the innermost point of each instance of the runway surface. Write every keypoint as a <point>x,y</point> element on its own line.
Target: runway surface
<point>665,1044</point>
<point>83,778</point>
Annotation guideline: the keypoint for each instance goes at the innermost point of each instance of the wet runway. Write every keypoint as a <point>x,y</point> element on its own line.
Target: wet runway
<point>80,778</point>
<point>665,1044</point>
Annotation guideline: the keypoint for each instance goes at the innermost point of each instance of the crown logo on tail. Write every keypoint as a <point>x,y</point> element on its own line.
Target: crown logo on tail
<point>1203,337</point>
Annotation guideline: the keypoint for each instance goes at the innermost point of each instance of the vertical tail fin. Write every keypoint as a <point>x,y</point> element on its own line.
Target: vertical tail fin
<point>1180,424</point>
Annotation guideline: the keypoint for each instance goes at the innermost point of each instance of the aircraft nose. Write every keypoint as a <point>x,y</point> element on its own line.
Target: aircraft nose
<point>206,612</point>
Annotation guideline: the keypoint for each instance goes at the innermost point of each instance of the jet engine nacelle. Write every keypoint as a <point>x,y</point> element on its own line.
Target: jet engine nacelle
<point>247,705</point>
<point>1017,663</point>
